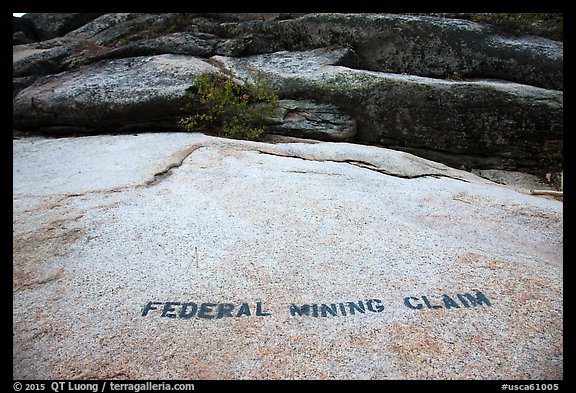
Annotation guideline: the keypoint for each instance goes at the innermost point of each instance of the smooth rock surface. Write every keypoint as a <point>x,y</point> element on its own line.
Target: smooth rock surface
<point>104,225</point>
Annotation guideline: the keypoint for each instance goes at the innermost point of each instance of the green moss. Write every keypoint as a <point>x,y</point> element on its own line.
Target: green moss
<point>230,30</point>
<point>217,105</point>
<point>548,25</point>
<point>178,22</point>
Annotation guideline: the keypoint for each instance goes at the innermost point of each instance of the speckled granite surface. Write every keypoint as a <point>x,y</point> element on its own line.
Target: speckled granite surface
<point>181,256</point>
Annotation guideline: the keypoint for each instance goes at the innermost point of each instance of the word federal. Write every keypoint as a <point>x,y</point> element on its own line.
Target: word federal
<point>204,310</point>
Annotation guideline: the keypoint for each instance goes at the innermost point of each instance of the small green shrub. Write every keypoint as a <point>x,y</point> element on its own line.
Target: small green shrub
<point>217,105</point>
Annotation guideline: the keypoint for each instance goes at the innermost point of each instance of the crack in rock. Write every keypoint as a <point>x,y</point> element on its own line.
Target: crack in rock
<point>175,161</point>
<point>360,164</point>
<point>178,159</point>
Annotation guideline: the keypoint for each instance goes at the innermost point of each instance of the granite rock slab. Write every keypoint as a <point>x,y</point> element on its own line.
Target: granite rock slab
<point>185,256</point>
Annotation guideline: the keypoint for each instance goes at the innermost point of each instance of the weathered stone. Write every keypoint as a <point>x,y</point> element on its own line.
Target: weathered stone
<point>193,44</point>
<point>312,120</point>
<point>241,17</point>
<point>456,122</point>
<point>19,84</point>
<point>457,49</point>
<point>427,46</point>
<point>22,31</point>
<point>130,34</point>
<point>287,260</point>
<point>133,93</point>
<point>52,25</point>
<point>20,38</point>
<point>115,29</point>
<point>32,61</point>
<point>454,117</point>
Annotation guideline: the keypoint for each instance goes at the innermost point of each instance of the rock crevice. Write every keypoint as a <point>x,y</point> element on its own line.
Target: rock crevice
<point>176,161</point>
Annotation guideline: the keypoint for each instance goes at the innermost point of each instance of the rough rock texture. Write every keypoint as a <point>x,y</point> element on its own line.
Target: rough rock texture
<point>38,61</point>
<point>427,46</point>
<point>22,31</point>
<point>133,93</point>
<point>451,90</point>
<point>33,27</point>
<point>312,120</point>
<point>472,123</point>
<point>276,261</point>
<point>47,26</point>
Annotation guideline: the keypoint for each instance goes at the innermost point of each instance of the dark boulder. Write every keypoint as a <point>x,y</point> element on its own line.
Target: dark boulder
<point>488,123</point>
<point>33,61</point>
<point>47,26</point>
<point>22,31</point>
<point>181,43</point>
<point>141,93</point>
<point>309,119</point>
<point>415,45</point>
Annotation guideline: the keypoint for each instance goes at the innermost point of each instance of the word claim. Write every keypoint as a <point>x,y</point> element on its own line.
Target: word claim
<point>188,310</point>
